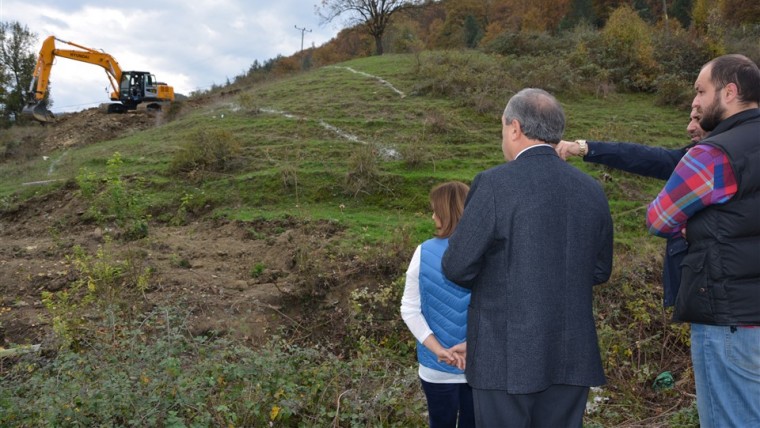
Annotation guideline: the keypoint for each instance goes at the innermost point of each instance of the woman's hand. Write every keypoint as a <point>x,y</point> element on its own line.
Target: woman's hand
<point>454,356</point>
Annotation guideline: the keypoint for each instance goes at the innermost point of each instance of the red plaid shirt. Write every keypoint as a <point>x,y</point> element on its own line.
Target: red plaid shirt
<point>703,177</point>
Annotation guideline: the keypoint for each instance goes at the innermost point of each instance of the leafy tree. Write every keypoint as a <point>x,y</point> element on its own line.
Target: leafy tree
<point>472,31</point>
<point>17,62</point>
<point>581,11</point>
<point>463,24</point>
<point>533,16</point>
<point>700,13</point>
<point>740,12</point>
<point>680,10</point>
<point>402,36</point>
<point>373,14</point>
<point>629,50</point>
<point>543,15</point>
<point>708,22</point>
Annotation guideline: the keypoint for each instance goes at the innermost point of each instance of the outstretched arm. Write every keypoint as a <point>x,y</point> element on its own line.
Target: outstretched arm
<point>655,162</point>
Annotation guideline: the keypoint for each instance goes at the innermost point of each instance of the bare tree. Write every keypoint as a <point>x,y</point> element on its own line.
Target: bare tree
<point>373,14</point>
<point>17,61</point>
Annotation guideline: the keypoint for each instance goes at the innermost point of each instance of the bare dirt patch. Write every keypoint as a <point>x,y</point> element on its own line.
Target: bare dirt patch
<point>239,279</point>
<point>93,125</point>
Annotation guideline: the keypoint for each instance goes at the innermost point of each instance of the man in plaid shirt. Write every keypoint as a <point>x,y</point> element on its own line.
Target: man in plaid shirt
<point>713,199</point>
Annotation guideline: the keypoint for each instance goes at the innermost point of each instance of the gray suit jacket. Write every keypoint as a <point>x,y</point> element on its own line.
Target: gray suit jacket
<point>535,236</point>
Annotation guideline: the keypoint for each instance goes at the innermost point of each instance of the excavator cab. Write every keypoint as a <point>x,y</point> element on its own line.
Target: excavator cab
<point>140,86</point>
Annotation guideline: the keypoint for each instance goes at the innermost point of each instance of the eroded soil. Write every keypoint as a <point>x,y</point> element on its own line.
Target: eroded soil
<point>235,278</point>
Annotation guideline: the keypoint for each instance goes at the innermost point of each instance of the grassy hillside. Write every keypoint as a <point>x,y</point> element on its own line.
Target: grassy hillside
<point>356,146</point>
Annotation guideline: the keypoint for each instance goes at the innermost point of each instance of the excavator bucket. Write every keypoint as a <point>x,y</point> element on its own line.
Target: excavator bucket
<point>39,112</point>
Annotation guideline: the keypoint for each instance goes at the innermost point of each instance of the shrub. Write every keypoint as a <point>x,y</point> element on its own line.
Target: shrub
<point>363,171</point>
<point>680,53</point>
<point>674,91</point>
<point>436,123</point>
<point>541,72</point>
<point>636,338</point>
<point>104,281</point>
<point>114,199</point>
<point>416,153</point>
<point>173,111</point>
<point>527,43</point>
<point>20,143</point>
<point>208,151</point>
<point>463,74</point>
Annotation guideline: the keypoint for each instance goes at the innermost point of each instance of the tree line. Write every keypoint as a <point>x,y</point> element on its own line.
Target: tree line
<point>471,23</point>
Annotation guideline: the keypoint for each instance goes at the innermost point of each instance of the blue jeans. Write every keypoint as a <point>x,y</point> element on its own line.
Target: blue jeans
<point>449,402</point>
<point>727,373</point>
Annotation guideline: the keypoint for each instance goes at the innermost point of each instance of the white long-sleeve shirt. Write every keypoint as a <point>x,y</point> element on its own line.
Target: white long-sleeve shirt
<point>411,313</point>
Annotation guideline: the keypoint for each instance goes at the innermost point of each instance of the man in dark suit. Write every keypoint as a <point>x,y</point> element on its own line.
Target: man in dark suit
<point>535,236</point>
<point>655,162</point>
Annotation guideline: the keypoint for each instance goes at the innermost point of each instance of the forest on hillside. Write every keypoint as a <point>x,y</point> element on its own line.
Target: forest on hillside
<point>599,46</point>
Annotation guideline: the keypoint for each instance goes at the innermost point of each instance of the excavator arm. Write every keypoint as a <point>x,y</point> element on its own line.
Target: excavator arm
<point>41,78</point>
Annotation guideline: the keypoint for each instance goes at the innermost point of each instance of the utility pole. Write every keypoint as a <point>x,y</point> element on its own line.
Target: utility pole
<point>302,30</point>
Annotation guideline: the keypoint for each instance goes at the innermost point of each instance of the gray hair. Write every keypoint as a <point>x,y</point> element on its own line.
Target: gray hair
<point>540,115</point>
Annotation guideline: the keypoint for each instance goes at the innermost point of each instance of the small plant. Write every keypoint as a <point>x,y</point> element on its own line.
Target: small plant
<point>88,183</point>
<point>436,122</point>
<point>179,261</point>
<point>416,153</point>
<point>104,280</point>
<point>248,102</point>
<point>289,176</point>
<point>685,418</point>
<point>363,170</point>
<point>189,202</point>
<point>150,372</point>
<point>257,270</point>
<point>115,199</point>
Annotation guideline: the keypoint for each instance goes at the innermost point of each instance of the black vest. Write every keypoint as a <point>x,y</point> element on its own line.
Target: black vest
<point>720,282</point>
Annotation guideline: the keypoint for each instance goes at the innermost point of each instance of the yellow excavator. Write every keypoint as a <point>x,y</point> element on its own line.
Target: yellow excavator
<point>130,88</point>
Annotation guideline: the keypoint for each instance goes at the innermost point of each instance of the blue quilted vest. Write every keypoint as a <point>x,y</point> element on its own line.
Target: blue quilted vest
<point>444,305</point>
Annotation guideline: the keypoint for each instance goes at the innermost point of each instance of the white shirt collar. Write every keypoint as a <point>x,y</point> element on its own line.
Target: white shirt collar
<point>528,148</point>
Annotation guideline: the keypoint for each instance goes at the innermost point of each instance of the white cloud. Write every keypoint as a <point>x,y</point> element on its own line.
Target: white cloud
<point>189,45</point>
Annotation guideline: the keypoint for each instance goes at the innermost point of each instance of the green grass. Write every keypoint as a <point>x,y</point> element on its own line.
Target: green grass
<point>296,124</point>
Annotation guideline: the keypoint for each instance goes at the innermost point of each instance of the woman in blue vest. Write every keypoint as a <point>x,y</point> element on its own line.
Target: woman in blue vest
<point>435,310</point>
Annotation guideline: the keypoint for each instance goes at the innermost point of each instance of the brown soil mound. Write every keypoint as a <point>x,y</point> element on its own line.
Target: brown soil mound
<point>93,125</point>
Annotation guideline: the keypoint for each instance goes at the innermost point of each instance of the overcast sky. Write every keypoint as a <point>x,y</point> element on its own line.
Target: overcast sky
<point>189,44</point>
